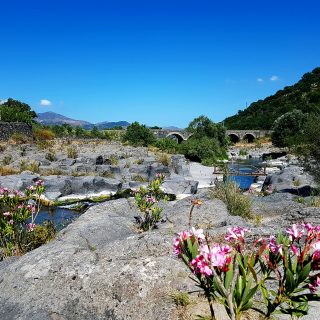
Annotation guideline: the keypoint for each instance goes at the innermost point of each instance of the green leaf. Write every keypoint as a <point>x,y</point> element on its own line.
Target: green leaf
<point>253,273</point>
<point>290,283</point>
<point>304,273</point>
<point>238,289</point>
<point>306,297</point>
<point>229,276</point>
<point>273,293</point>
<point>294,312</point>
<point>246,298</point>
<point>247,306</point>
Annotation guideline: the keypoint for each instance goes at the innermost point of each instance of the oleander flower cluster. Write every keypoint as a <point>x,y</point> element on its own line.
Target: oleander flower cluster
<point>147,200</point>
<point>234,272</point>
<point>18,212</point>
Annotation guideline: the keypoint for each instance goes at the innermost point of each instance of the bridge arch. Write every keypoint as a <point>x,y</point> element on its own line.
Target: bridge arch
<point>176,135</point>
<point>249,137</point>
<point>234,138</point>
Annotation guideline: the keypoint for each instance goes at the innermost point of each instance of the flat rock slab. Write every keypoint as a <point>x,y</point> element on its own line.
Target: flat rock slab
<point>100,267</point>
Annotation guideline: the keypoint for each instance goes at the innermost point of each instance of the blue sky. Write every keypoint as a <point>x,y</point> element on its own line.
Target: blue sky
<point>158,62</point>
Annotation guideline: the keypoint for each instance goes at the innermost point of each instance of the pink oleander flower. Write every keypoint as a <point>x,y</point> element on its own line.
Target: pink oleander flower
<point>31,208</point>
<point>30,188</point>
<point>184,235</point>
<point>316,256</point>
<point>294,233</point>
<point>200,265</point>
<point>217,256</point>
<point>309,228</point>
<point>312,232</point>
<point>315,283</point>
<point>160,176</point>
<point>18,193</point>
<point>274,247</point>
<point>236,233</point>
<point>30,226</point>
<point>177,247</point>
<point>295,250</point>
<point>7,214</point>
<point>39,183</point>
<point>250,190</point>
<point>11,221</point>
<point>198,233</point>
<point>151,200</point>
<point>4,191</point>
<point>316,246</point>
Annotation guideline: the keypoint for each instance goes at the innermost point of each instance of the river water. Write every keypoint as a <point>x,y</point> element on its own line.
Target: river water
<point>244,166</point>
<point>60,217</point>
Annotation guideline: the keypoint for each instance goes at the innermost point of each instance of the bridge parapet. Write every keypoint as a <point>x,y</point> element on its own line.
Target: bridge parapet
<point>183,135</point>
<point>249,134</point>
<point>180,135</point>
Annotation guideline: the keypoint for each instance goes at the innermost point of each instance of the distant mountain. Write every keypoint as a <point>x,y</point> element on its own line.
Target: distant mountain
<point>109,125</point>
<point>173,128</point>
<point>304,95</point>
<point>52,118</point>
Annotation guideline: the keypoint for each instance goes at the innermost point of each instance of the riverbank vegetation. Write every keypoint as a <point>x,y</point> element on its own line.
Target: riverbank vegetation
<point>303,96</point>
<point>19,232</point>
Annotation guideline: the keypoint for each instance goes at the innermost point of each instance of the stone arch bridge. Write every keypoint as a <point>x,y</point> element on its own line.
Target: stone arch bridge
<point>247,135</point>
<point>234,135</point>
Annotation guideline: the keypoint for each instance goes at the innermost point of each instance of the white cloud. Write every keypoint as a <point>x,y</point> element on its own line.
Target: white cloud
<point>45,103</point>
<point>3,101</point>
<point>274,78</point>
<point>260,80</point>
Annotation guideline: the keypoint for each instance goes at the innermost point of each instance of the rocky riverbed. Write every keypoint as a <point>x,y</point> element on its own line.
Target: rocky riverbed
<point>80,169</point>
<point>102,267</point>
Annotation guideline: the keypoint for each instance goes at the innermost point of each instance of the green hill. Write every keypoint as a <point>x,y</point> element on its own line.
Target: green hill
<point>304,95</point>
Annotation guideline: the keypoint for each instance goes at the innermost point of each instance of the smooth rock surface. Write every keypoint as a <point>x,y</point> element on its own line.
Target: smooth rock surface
<point>99,267</point>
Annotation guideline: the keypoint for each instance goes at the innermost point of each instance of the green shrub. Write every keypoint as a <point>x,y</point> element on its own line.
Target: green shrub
<point>6,160</point>
<point>180,298</point>
<point>308,146</point>
<point>139,178</point>
<point>243,152</point>
<point>6,171</point>
<point>30,166</point>
<point>18,213</point>
<point>23,151</point>
<point>19,138</point>
<point>108,174</point>
<point>167,145</point>
<point>51,155</point>
<point>205,150</point>
<point>139,135</point>
<point>114,160</point>
<point>43,134</point>
<point>16,111</point>
<point>230,193</point>
<point>163,158</point>
<point>42,234</point>
<point>44,144</point>
<point>147,200</point>
<point>72,152</point>
<point>287,127</point>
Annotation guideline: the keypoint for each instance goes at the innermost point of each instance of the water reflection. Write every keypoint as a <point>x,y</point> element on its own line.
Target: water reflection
<point>60,217</point>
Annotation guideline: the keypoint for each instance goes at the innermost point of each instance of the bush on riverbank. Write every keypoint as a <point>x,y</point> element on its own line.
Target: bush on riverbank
<point>139,135</point>
<point>307,147</point>
<point>230,193</point>
<point>18,230</point>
